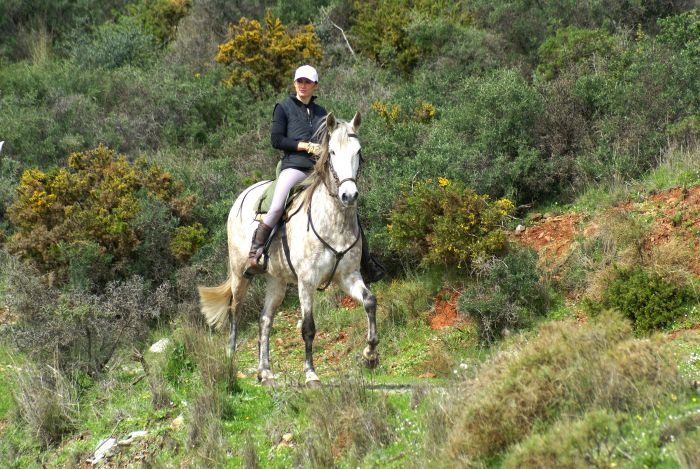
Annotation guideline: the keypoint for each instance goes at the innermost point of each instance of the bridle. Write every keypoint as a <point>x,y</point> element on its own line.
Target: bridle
<point>338,182</point>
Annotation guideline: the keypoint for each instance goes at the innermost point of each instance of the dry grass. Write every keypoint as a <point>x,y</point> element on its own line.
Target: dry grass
<point>347,420</point>
<point>47,402</point>
<point>567,370</point>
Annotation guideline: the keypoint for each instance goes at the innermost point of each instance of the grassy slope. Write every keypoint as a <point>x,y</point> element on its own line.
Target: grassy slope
<point>276,428</point>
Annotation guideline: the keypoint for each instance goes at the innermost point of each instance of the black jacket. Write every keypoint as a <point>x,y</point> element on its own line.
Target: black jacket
<point>294,122</point>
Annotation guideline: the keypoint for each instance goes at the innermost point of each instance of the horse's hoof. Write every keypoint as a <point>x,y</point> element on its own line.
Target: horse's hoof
<point>371,361</point>
<point>313,384</point>
<point>269,382</point>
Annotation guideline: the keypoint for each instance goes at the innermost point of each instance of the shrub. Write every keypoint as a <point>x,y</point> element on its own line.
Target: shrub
<point>81,331</point>
<point>506,295</point>
<point>586,442</point>
<point>58,18</point>
<point>187,240</point>
<point>161,17</point>
<point>646,298</point>
<point>115,45</point>
<point>444,222</point>
<point>571,46</point>
<point>567,370</point>
<point>94,200</point>
<point>392,32</point>
<point>261,57</point>
<point>489,141</point>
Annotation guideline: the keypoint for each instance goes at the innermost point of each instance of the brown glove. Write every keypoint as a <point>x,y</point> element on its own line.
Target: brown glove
<point>314,149</point>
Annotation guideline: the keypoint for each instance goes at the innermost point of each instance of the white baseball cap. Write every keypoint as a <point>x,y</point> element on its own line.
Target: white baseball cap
<point>306,71</point>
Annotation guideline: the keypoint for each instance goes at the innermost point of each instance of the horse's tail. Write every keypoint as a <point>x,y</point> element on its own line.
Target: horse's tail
<point>215,303</point>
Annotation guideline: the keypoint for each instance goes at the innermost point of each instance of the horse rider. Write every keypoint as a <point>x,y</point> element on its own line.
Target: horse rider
<point>295,120</point>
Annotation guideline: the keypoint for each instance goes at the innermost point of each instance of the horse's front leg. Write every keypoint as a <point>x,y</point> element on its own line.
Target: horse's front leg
<point>274,295</point>
<point>308,332</point>
<point>354,286</point>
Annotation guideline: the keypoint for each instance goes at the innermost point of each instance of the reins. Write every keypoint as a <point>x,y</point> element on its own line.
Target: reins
<point>338,254</point>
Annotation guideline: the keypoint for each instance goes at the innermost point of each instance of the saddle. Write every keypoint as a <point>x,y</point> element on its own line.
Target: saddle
<point>265,201</point>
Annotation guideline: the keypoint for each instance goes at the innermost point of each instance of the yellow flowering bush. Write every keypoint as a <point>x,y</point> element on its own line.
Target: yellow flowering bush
<point>392,113</point>
<point>95,199</point>
<point>445,222</point>
<point>260,55</point>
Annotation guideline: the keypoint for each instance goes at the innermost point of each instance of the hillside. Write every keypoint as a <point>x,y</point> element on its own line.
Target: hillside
<point>528,176</point>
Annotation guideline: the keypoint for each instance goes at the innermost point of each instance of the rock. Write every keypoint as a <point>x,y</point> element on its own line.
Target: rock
<point>160,346</point>
<point>177,424</point>
<point>535,216</point>
<point>133,436</point>
<point>519,229</point>
<point>103,448</point>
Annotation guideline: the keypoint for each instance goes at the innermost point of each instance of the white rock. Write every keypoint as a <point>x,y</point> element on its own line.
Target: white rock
<point>463,366</point>
<point>133,436</point>
<point>160,346</point>
<point>103,448</point>
<point>1,144</point>
<point>519,229</point>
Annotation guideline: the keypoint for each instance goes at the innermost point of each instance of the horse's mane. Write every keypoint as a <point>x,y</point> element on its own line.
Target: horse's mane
<point>323,136</point>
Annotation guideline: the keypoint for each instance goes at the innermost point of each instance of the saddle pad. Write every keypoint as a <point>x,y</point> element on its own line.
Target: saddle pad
<point>265,199</point>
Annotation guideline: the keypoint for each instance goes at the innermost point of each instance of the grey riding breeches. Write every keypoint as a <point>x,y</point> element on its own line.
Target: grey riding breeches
<point>286,180</point>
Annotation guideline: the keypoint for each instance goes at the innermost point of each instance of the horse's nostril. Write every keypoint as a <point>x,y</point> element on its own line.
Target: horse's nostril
<point>354,197</point>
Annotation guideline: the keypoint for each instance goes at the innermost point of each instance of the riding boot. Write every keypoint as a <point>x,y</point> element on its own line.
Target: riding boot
<point>370,268</point>
<point>253,266</point>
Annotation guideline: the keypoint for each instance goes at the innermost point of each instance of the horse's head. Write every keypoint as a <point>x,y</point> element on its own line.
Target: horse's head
<point>343,158</point>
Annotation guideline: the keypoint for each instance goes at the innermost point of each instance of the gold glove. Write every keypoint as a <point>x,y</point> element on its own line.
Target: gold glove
<point>314,149</point>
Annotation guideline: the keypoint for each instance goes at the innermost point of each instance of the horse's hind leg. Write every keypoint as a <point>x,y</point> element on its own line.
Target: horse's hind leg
<point>276,290</point>
<point>239,286</point>
<point>354,286</point>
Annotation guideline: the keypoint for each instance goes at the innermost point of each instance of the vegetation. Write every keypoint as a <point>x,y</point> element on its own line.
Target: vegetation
<point>130,126</point>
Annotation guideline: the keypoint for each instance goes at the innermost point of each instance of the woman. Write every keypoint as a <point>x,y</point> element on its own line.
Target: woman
<point>295,120</point>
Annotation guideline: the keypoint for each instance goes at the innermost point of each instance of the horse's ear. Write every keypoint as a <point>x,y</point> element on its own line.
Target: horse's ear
<point>356,121</point>
<point>330,122</point>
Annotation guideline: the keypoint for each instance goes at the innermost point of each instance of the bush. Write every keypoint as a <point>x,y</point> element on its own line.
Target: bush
<point>444,222</point>
<point>506,295</point>
<point>161,17</point>
<point>395,32</point>
<point>261,57</point>
<point>58,18</point>
<point>115,45</point>
<point>567,370</point>
<point>81,331</point>
<point>572,46</point>
<point>94,200</point>
<point>489,141</point>
<point>646,298</point>
<point>526,24</point>
<point>586,442</point>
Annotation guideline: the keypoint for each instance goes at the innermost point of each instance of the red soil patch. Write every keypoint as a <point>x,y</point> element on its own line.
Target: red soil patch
<point>445,314</point>
<point>675,334</point>
<point>552,238</point>
<point>676,214</point>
